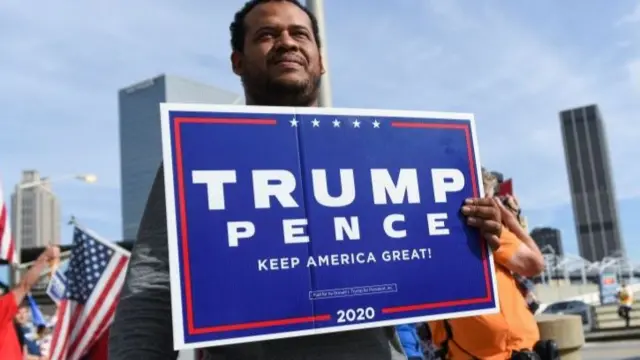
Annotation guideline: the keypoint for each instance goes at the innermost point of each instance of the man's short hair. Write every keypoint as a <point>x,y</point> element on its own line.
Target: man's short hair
<point>238,30</point>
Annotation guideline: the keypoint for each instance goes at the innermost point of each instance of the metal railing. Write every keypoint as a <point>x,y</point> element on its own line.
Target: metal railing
<point>571,267</point>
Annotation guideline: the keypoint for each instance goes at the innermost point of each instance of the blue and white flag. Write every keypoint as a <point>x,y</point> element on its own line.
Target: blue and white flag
<point>57,286</point>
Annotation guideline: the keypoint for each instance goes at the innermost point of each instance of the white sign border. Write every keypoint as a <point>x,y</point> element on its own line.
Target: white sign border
<point>172,230</point>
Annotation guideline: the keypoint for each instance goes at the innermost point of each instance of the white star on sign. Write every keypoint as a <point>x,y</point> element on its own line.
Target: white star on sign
<point>294,122</point>
<point>315,123</point>
<point>356,123</point>
<point>336,123</point>
<point>376,124</point>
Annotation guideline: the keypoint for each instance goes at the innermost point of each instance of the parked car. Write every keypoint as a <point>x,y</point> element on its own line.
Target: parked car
<point>575,307</point>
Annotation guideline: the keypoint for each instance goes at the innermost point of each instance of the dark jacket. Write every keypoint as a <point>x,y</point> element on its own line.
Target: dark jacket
<point>142,325</point>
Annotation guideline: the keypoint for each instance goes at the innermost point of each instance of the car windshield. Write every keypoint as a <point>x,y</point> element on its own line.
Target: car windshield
<point>559,306</point>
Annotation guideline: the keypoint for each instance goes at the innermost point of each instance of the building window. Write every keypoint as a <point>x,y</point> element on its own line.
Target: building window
<point>583,146</point>
<point>598,158</point>
<point>572,151</point>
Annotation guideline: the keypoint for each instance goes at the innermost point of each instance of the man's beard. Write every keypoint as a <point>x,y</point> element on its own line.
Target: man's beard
<point>262,90</point>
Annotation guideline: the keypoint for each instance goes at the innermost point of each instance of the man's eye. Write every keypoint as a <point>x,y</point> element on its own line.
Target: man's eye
<point>300,35</point>
<point>266,35</point>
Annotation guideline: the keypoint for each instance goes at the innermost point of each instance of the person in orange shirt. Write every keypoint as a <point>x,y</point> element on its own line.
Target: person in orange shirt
<point>9,342</point>
<point>497,336</point>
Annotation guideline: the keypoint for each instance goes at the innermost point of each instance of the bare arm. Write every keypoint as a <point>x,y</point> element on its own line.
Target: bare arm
<point>32,275</point>
<point>142,327</point>
<point>526,261</point>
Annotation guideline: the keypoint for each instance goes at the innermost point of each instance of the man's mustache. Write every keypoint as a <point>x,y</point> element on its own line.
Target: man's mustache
<point>288,57</point>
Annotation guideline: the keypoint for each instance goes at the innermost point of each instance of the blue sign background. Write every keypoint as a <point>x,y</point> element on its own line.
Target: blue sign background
<point>225,299</point>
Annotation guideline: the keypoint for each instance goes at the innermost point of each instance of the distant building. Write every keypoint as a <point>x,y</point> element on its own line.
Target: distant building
<point>591,184</point>
<point>548,237</point>
<point>140,139</point>
<point>40,212</point>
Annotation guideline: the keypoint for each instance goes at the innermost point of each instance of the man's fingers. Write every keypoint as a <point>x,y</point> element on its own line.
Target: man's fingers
<point>484,212</point>
<point>486,201</point>
<point>492,227</point>
<point>490,230</point>
<point>485,215</point>
<point>493,241</point>
<point>488,226</point>
<point>475,222</point>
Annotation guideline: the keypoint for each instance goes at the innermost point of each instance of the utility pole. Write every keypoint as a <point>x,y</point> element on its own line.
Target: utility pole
<point>317,8</point>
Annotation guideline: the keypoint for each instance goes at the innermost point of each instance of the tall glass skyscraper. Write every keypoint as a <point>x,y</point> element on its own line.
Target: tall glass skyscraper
<point>140,139</point>
<point>590,180</point>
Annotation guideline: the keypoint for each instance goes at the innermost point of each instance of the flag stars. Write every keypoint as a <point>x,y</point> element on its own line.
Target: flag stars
<point>293,122</point>
<point>87,264</point>
<point>315,123</point>
<point>376,124</point>
<point>336,123</point>
<point>356,123</point>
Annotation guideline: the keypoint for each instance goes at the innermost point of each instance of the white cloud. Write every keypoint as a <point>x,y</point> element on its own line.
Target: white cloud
<point>631,17</point>
<point>634,74</point>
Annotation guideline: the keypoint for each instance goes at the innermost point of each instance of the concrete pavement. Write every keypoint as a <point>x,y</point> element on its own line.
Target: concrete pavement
<point>614,350</point>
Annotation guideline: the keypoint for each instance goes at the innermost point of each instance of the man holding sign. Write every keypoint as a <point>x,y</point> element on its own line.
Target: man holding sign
<point>276,54</point>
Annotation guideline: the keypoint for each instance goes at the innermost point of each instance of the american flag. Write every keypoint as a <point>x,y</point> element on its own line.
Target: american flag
<point>7,246</point>
<point>95,276</point>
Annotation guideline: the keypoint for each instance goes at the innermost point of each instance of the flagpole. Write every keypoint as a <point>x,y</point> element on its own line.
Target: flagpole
<point>317,8</point>
<point>15,266</point>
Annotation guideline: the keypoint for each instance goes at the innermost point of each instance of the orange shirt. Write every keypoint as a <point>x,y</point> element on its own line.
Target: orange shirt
<point>495,336</point>
<point>9,344</point>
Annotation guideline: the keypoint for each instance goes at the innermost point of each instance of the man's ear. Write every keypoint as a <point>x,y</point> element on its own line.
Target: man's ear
<point>322,69</point>
<point>237,62</point>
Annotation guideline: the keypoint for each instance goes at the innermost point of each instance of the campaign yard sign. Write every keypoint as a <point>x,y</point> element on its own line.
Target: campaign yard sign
<point>286,222</point>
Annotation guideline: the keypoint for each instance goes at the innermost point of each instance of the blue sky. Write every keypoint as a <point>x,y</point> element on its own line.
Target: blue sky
<point>514,64</point>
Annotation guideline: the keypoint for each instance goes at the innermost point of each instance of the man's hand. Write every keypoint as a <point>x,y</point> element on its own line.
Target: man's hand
<point>486,215</point>
<point>509,217</point>
<point>51,254</point>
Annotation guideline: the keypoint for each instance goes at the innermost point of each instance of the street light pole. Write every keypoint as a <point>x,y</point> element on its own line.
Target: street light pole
<point>317,8</point>
<point>86,178</point>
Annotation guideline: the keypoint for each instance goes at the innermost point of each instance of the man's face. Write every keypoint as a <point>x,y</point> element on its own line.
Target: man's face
<point>22,316</point>
<point>281,61</point>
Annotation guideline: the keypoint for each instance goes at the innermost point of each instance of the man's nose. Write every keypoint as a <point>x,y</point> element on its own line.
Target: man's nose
<point>285,40</point>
